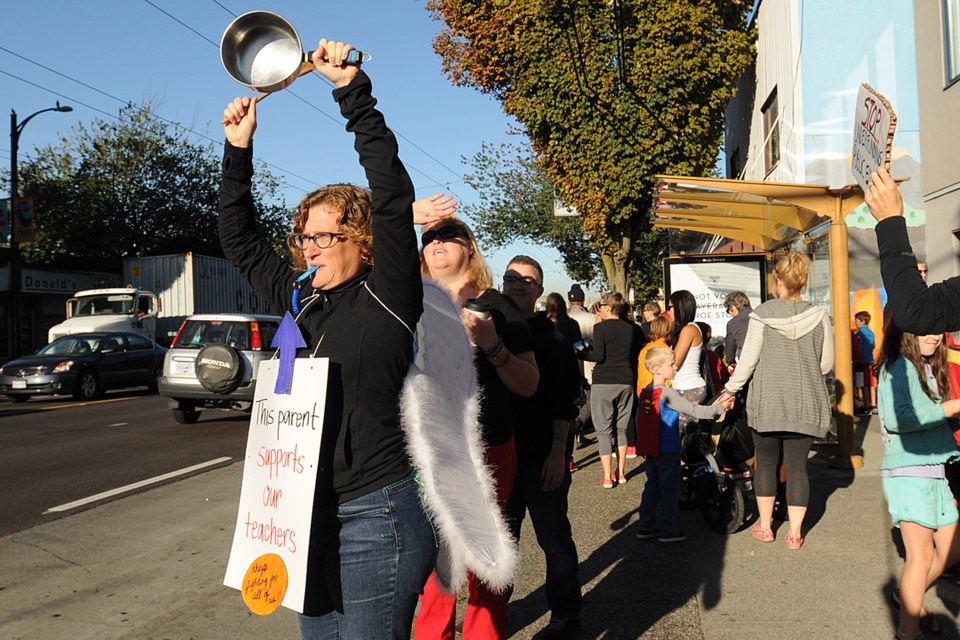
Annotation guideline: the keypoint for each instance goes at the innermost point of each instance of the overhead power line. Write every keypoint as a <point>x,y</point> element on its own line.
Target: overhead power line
<point>313,106</point>
<point>150,114</point>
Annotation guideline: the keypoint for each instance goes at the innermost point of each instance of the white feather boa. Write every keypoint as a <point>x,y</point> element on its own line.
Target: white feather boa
<point>439,411</point>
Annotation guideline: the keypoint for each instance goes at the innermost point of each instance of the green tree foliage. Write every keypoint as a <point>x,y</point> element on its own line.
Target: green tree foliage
<point>132,187</point>
<point>609,93</point>
<point>516,201</point>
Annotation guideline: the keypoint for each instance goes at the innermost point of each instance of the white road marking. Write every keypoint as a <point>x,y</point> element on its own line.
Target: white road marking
<point>135,485</point>
<point>118,424</point>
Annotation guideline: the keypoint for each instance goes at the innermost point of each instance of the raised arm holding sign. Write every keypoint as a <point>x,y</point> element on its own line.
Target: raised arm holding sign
<point>915,307</point>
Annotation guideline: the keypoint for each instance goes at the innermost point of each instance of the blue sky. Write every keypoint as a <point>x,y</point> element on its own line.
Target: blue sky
<point>96,55</point>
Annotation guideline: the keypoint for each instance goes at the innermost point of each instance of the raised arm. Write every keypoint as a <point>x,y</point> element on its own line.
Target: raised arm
<point>396,272</point>
<point>916,308</point>
<point>241,237</point>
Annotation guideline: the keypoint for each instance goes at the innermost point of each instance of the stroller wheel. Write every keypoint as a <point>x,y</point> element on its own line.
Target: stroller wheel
<point>723,508</point>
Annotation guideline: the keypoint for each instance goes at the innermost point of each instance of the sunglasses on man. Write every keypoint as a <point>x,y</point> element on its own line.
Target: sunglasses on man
<point>448,232</point>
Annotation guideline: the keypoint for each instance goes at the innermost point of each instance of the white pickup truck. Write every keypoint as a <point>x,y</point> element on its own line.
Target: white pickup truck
<point>120,309</point>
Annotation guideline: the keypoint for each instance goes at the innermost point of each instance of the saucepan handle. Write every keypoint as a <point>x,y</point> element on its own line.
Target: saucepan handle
<point>354,57</point>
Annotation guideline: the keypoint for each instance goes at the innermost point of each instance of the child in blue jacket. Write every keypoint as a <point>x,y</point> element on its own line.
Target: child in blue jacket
<point>658,438</point>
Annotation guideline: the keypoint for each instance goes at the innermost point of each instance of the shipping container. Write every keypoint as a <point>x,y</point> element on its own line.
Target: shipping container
<point>190,283</point>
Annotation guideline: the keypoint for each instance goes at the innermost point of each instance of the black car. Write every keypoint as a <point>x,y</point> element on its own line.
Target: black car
<point>85,365</point>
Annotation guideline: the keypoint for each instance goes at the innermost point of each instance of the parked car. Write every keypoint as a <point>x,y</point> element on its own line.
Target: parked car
<point>85,365</point>
<point>213,361</point>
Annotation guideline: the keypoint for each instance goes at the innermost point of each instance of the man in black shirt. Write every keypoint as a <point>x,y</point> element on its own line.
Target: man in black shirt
<point>542,481</point>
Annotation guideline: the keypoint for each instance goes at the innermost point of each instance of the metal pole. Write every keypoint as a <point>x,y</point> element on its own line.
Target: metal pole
<point>14,270</point>
<point>15,130</point>
<point>845,457</point>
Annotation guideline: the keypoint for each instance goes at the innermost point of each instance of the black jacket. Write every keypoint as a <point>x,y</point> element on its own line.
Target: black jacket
<point>370,351</point>
<point>616,346</point>
<point>916,308</point>
<point>556,395</point>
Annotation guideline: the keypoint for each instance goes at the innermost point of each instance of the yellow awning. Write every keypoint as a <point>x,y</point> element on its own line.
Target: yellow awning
<point>770,215</point>
<point>764,214</point>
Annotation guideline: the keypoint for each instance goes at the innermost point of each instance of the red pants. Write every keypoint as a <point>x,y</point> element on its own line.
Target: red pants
<point>486,615</point>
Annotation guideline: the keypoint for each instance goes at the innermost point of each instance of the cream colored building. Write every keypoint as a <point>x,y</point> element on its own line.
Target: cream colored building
<point>937,25</point>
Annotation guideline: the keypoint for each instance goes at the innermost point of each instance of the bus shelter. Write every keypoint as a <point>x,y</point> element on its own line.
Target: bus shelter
<point>775,217</point>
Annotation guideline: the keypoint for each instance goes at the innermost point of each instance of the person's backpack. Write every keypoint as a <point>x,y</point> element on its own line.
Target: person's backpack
<point>648,422</point>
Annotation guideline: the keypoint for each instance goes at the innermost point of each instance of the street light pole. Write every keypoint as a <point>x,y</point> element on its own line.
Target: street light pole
<point>15,130</point>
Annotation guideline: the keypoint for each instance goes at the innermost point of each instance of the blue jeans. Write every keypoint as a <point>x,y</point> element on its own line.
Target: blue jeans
<point>663,487</point>
<point>387,549</point>
<point>548,513</point>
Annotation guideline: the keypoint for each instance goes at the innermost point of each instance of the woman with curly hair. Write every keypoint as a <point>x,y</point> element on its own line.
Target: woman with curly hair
<point>356,293</point>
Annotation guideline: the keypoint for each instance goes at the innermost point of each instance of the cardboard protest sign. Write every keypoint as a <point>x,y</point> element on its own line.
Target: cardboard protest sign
<point>268,559</point>
<point>873,127</point>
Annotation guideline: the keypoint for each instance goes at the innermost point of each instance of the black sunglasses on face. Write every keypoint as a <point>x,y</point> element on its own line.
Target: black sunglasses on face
<point>526,281</point>
<point>448,232</point>
<point>321,240</point>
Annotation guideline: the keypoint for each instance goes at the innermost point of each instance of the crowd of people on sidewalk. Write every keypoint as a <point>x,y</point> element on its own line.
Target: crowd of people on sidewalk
<point>356,294</point>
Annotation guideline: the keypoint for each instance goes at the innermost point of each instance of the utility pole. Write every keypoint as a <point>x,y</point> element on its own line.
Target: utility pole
<point>15,131</point>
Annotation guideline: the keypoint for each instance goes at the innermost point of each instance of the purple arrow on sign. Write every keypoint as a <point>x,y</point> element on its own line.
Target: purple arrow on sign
<point>288,339</point>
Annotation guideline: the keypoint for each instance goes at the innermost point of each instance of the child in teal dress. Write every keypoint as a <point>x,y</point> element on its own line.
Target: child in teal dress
<point>917,443</point>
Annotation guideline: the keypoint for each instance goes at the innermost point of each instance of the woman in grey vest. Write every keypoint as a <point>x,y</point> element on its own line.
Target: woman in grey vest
<point>787,352</point>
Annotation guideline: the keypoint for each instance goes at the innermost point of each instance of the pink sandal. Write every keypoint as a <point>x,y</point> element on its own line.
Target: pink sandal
<point>794,542</point>
<point>607,483</point>
<point>761,534</point>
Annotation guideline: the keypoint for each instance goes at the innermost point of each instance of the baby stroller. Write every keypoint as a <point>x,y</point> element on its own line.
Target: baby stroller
<point>719,480</point>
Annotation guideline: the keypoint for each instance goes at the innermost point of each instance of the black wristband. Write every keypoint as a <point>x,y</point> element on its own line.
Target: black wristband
<point>492,351</point>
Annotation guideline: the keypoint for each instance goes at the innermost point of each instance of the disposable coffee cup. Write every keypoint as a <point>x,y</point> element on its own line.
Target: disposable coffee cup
<point>478,307</point>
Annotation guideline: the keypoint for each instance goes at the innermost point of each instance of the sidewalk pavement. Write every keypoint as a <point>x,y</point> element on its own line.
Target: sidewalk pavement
<point>150,566</point>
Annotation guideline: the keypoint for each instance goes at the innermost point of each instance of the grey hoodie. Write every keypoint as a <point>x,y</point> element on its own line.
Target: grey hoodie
<point>787,352</point>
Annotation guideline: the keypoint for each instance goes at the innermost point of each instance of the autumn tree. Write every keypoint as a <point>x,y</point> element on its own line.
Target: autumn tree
<point>136,186</point>
<point>609,93</point>
<point>516,201</point>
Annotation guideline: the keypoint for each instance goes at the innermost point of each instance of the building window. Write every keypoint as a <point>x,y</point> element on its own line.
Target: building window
<point>734,165</point>
<point>951,40</point>
<point>771,132</point>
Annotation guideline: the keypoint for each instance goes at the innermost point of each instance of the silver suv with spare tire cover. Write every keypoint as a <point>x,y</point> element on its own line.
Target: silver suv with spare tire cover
<point>213,362</point>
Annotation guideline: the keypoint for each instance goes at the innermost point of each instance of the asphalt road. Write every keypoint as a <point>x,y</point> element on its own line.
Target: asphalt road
<point>56,451</point>
<point>150,565</point>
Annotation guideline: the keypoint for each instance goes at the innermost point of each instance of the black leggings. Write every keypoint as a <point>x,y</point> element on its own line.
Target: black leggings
<point>795,451</point>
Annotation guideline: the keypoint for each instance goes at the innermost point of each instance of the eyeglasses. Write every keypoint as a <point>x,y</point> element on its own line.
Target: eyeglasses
<point>321,240</point>
<point>447,232</point>
<point>526,281</point>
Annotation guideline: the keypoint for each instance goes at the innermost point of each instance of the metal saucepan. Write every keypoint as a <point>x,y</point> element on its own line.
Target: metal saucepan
<point>262,51</point>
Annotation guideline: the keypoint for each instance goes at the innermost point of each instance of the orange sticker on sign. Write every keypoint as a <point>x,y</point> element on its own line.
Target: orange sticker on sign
<point>265,584</point>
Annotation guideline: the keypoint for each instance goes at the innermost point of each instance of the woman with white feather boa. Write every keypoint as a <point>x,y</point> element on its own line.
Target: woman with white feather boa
<point>503,356</point>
